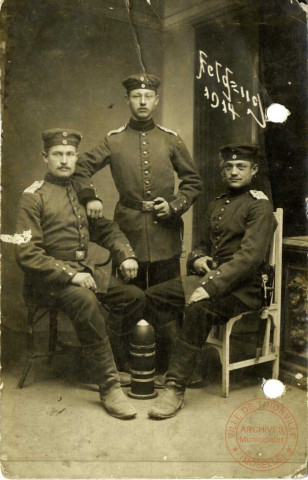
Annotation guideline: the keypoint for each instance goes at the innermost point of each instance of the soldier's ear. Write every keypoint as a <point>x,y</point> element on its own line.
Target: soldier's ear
<point>255,169</point>
<point>44,155</point>
<point>157,99</point>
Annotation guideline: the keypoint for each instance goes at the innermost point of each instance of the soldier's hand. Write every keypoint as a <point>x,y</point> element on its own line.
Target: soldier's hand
<point>94,209</point>
<point>129,269</point>
<point>161,207</point>
<point>201,264</point>
<point>197,295</point>
<point>85,280</point>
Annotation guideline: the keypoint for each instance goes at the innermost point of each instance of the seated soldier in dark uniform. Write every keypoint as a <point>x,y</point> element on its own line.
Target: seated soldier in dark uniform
<point>59,269</point>
<point>225,271</point>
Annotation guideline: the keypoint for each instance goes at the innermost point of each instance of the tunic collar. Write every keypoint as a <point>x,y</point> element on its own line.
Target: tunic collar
<point>235,192</point>
<point>62,182</point>
<point>141,126</point>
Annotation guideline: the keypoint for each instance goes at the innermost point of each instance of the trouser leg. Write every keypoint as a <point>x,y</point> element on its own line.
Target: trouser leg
<point>165,303</point>
<point>153,273</point>
<point>84,310</point>
<point>198,320</point>
<point>200,316</point>
<point>161,272</point>
<point>125,303</point>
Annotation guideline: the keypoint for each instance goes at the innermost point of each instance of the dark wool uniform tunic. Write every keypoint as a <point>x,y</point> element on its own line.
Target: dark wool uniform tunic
<point>238,230</point>
<point>143,157</point>
<point>239,226</point>
<point>59,225</point>
<point>58,249</point>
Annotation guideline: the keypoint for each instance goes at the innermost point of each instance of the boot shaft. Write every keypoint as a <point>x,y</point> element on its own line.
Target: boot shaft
<point>182,363</point>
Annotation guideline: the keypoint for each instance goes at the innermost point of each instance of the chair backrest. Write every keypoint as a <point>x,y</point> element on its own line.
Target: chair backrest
<point>275,257</point>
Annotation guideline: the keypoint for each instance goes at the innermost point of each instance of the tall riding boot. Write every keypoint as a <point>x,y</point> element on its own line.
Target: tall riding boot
<point>105,374</point>
<point>181,367</point>
<point>166,338</point>
<point>120,345</point>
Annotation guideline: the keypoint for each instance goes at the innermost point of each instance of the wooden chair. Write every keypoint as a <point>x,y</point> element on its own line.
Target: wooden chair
<point>268,349</point>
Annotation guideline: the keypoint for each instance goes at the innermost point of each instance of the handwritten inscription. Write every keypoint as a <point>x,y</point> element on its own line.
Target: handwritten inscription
<point>230,91</point>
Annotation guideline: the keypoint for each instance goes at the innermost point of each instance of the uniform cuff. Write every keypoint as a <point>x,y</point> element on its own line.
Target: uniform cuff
<point>179,206</point>
<point>126,255</point>
<point>86,195</point>
<point>210,288</point>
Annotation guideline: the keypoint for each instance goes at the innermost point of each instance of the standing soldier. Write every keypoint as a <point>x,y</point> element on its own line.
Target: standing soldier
<point>143,157</point>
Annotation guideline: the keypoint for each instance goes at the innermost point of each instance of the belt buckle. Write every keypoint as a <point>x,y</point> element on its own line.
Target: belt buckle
<point>147,206</point>
<point>80,254</point>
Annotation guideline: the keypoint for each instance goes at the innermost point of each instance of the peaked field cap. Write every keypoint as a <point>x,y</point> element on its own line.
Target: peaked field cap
<point>141,80</point>
<point>61,136</point>
<point>239,152</point>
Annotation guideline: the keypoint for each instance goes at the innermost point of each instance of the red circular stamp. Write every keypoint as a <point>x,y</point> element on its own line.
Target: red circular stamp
<point>261,434</point>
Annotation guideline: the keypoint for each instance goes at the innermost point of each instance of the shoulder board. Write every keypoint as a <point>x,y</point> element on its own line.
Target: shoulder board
<point>167,130</point>
<point>258,194</point>
<point>119,130</point>
<point>35,186</point>
<point>220,196</point>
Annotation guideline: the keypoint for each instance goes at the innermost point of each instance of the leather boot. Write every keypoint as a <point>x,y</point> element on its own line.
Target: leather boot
<point>120,345</point>
<point>105,374</point>
<point>181,367</point>
<point>168,334</point>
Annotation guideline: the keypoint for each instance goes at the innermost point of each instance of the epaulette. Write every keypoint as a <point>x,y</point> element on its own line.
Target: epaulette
<point>258,194</point>
<point>119,130</point>
<point>220,196</point>
<point>35,186</point>
<point>167,130</point>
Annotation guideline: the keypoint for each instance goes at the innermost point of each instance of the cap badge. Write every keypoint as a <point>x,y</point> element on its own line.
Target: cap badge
<point>234,156</point>
<point>142,79</point>
<point>64,134</point>
<point>64,142</point>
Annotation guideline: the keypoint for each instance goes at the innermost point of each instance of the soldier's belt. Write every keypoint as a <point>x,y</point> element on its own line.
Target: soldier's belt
<point>143,206</point>
<point>68,255</point>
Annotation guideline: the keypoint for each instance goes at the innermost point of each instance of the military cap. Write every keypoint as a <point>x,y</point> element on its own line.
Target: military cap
<point>238,152</point>
<point>141,80</point>
<point>61,136</point>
